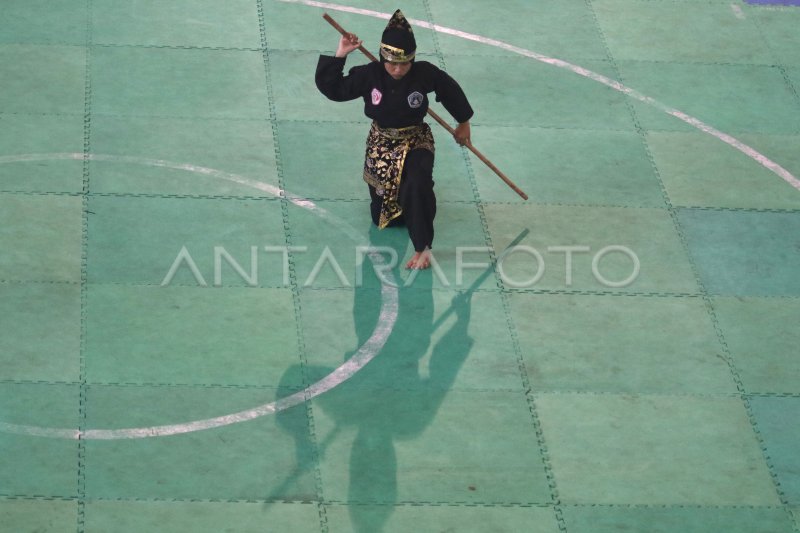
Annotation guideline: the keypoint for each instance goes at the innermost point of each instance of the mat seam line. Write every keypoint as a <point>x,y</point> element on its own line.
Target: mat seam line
<point>778,63</point>
<point>523,374</point>
<point>510,290</point>
<point>709,305</point>
<point>296,298</point>
<point>265,198</point>
<point>404,503</point>
<point>85,187</point>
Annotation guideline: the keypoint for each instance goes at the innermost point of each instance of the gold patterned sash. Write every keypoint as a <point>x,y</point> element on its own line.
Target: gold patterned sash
<point>387,149</point>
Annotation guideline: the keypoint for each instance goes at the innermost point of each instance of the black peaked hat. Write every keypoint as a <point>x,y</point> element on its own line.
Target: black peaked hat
<point>397,42</point>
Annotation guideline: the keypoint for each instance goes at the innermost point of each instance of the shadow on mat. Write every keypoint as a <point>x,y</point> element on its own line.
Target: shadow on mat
<point>389,399</point>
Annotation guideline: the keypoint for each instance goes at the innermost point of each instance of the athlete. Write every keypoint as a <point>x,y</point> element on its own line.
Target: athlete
<point>398,166</point>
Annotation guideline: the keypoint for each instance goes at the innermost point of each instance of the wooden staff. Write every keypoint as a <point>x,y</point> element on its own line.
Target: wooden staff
<point>438,119</point>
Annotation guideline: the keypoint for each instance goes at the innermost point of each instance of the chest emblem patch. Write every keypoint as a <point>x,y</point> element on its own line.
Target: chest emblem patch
<point>415,99</point>
<point>376,97</point>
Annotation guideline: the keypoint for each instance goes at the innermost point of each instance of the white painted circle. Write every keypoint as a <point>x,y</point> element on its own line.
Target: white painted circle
<point>271,408</point>
<point>365,353</point>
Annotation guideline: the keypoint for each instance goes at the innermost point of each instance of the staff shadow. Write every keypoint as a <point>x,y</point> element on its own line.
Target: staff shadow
<point>395,396</point>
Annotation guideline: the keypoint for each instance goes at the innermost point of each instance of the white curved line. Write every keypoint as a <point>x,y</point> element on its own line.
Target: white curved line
<point>364,355</point>
<point>366,352</point>
<point>749,151</point>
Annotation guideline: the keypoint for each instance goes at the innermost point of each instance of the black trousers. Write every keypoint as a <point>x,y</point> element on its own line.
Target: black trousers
<point>416,197</point>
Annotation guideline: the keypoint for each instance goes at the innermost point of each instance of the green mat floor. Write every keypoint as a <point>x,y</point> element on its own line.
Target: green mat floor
<point>200,331</point>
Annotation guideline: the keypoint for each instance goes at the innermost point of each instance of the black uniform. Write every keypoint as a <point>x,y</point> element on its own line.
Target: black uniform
<point>394,106</point>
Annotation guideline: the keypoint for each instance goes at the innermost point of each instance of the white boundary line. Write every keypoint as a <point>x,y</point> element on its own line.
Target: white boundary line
<point>366,352</point>
<point>389,310</point>
<point>750,152</point>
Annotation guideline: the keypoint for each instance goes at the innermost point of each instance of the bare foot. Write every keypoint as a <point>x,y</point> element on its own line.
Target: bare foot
<point>420,260</point>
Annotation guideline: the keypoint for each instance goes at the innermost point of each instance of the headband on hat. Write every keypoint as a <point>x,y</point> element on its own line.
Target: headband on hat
<point>397,43</point>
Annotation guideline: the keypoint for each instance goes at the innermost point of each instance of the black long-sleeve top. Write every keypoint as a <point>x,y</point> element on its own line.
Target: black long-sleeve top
<point>392,103</point>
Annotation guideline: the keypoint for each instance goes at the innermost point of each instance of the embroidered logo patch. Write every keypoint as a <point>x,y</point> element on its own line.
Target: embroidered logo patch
<point>415,99</point>
<point>376,97</point>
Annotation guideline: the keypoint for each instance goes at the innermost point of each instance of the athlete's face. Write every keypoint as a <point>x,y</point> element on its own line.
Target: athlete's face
<point>397,70</point>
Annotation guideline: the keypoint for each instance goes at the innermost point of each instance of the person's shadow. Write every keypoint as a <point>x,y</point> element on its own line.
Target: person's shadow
<point>390,398</point>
